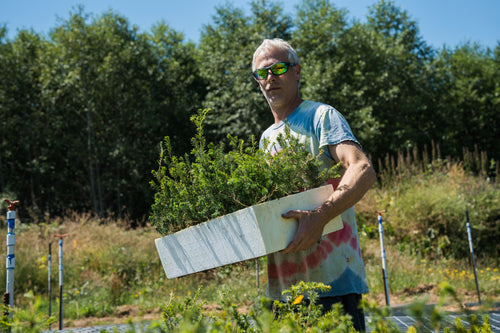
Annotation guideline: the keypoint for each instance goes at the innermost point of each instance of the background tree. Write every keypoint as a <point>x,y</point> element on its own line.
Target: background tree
<point>469,99</point>
<point>375,73</point>
<point>402,100</point>
<point>226,50</point>
<point>22,120</point>
<point>95,104</point>
<point>334,63</point>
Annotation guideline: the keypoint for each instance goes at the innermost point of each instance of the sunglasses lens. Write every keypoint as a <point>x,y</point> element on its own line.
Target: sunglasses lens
<point>279,69</point>
<point>261,74</point>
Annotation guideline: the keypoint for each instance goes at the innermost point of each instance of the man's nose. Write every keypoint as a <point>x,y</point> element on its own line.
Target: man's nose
<point>270,74</point>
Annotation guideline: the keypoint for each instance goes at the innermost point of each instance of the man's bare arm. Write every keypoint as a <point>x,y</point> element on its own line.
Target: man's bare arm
<point>357,179</point>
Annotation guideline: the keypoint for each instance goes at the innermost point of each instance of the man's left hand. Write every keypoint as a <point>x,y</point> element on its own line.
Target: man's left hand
<point>309,230</point>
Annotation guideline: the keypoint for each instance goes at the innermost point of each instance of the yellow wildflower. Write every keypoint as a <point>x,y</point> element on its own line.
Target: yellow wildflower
<point>412,329</point>
<point>298,300</point>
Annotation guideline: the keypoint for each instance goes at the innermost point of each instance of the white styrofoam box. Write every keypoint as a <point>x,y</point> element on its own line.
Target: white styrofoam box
<point>245,234</point>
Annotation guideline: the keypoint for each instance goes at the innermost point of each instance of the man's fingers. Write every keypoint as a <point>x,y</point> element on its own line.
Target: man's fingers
<point>293,245</point>
<point>292,214</point>
<point>306,234</point>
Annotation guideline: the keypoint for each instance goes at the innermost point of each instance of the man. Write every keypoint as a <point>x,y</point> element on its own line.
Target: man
<point>334,259</point>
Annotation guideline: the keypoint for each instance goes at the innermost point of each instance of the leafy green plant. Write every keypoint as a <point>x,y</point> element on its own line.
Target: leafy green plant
<point>297,315</point>
<point>293,315</point>
<point>30,320</point>
<point>190,311</point>
<point>306,314</point>
<point>215,180</point>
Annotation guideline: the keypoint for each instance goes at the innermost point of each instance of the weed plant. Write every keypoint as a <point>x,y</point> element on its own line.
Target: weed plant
<point>215,180</point>
<point>426,201</point>
<point>29,320</point>
<point>293,315</point>
<point>297,315</point>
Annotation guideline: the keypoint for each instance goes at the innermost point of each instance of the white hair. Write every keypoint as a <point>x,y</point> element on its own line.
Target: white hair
<point>276,43</point>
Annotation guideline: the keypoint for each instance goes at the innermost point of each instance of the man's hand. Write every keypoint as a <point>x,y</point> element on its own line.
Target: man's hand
<point>309,230</point>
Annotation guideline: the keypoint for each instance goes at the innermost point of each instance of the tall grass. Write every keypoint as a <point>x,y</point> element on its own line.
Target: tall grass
<point>108,266</point>
<point>427,197</point>
<point>113,270</point>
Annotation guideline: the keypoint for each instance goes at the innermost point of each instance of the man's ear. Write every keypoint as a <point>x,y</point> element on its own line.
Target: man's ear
<point>297,71</point>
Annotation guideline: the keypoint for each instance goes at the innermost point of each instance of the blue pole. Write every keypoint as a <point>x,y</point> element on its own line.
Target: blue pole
<point>61,279</point>
<point>11,260</point>
<point>471,248</point>
<point>382,254</point>
<point>50,283</point>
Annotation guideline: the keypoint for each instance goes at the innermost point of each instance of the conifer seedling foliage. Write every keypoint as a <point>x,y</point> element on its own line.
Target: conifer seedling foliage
<point>219,179</point>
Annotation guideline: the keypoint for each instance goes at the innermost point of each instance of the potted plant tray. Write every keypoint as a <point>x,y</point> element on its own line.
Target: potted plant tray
<point>246,234</point>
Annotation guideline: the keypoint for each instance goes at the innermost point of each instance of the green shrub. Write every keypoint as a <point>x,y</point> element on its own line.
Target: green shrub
<point>30,320</point>
<point>295,315</point>
<point>212,182</point>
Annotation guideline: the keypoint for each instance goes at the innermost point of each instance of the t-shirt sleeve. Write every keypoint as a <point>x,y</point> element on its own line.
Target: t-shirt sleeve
<point>333,129</point>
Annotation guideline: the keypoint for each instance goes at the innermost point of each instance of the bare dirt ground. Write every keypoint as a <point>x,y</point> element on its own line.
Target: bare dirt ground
<point>123,314</point>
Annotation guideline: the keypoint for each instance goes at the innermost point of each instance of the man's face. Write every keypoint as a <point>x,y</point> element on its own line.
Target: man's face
<point>281,90</point>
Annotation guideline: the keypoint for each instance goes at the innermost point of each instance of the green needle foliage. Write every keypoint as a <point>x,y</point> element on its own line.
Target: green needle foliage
<point>30,320</point>
<point>218,179</point>
<point>298,315</point>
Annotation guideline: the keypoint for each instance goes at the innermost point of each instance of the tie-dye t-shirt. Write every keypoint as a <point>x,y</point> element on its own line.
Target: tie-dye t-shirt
<point>335,260</point>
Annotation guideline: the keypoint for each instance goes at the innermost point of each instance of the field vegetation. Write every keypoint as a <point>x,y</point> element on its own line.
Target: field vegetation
<point>112,271</point>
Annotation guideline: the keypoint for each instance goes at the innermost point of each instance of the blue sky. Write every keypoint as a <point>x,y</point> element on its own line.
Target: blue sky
<point>441,22</point>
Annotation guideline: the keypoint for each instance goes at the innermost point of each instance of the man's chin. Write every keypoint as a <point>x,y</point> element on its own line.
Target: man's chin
<point>274,104</point>
<point>274,100</point>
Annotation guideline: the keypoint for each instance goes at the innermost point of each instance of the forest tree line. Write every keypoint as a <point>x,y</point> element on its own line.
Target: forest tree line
<point>83,110</point>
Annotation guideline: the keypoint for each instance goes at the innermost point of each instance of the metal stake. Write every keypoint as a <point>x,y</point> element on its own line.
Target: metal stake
<point>471,247</point>
<point>11,260</point>
<point>61,279</point>
<point>257,273</point>
<point>382,254</point>
<point>50,283</point>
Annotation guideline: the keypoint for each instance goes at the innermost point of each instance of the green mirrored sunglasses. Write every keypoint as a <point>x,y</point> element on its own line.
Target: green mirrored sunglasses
<point>277,69</point>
